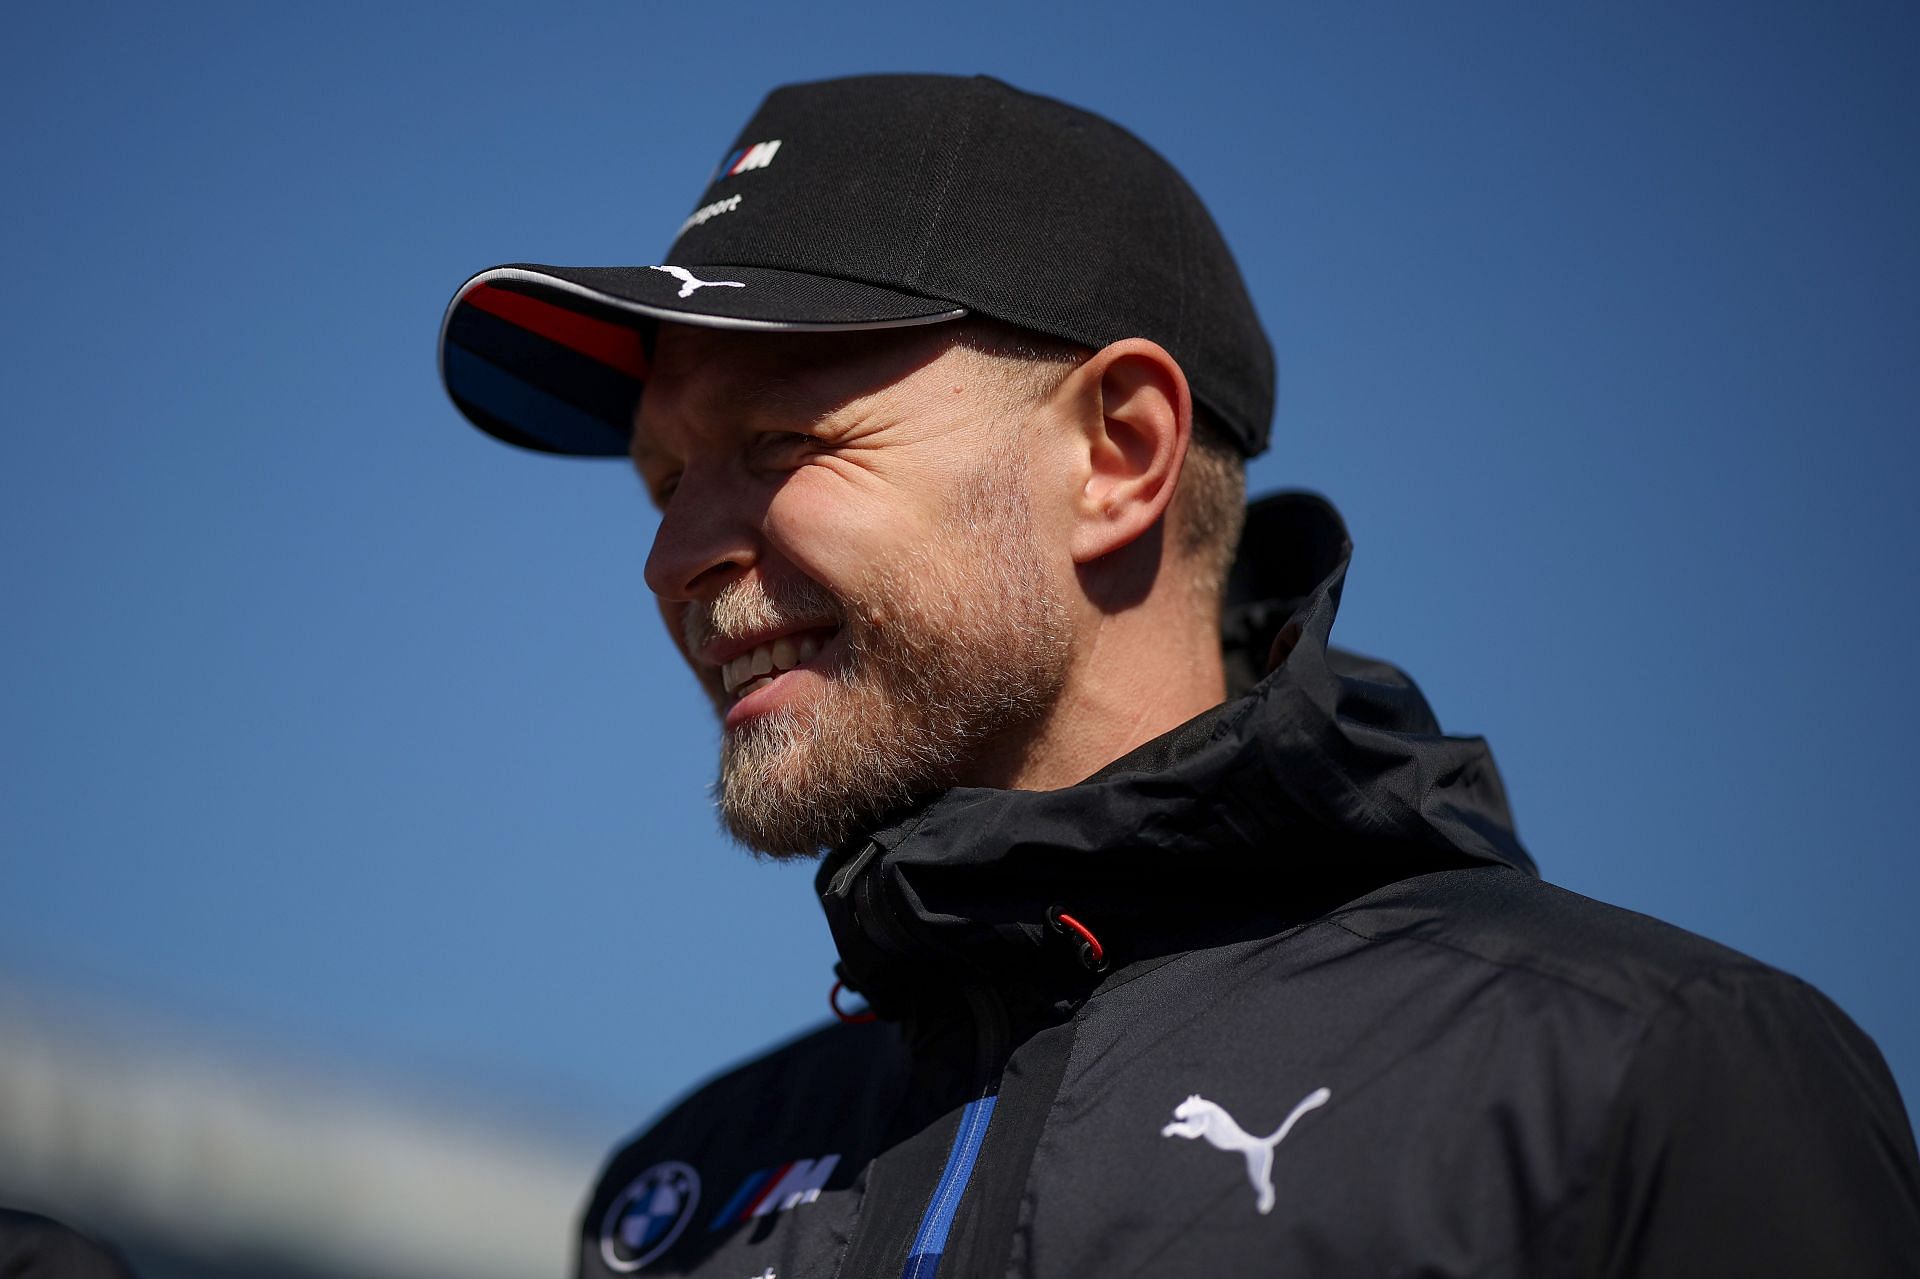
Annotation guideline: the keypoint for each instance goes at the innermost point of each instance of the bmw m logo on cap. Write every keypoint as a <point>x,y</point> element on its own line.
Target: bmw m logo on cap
<point>758,155</point>
<point>644,1219</point>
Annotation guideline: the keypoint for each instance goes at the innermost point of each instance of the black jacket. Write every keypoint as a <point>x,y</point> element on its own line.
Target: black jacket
<point>36,1247</point>
<point>1335,1026</point>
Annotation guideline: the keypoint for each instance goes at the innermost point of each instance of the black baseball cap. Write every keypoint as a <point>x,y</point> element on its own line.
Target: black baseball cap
<point>869,203</point>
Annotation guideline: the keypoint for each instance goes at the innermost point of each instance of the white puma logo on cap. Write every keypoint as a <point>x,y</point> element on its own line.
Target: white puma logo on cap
<point>688,283</point>
<point>1198,1117</point>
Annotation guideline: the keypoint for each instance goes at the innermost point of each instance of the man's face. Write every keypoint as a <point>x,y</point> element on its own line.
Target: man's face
<point>849,557</point>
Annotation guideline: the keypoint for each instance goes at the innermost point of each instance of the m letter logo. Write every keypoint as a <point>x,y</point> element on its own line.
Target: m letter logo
<point>777,1189</point>
<point>757,156</point>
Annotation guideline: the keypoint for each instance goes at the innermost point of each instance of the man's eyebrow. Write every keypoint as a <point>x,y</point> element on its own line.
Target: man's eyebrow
<point>753,397</point>
<point>759,392</point>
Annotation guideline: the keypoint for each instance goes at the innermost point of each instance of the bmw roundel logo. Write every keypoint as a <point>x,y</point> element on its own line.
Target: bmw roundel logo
<point>646,1217</point>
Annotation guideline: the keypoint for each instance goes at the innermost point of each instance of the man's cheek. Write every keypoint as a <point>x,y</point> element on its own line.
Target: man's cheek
<point>827,527</point>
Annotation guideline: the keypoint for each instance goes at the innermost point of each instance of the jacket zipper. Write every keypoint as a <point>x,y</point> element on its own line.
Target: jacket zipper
<point>930,1240</point>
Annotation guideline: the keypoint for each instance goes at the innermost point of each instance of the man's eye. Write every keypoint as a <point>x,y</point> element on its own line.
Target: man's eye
<point>663,490</point>
<point>782,446</point>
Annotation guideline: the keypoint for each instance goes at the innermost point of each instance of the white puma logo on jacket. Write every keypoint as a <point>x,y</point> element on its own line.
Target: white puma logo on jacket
<point>1198,1117</point>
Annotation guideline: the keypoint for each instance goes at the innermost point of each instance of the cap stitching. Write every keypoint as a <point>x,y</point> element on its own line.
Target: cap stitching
<point>946,186</point>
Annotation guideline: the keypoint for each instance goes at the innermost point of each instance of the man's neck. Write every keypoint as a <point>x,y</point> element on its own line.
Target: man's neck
<point>1124,691</point>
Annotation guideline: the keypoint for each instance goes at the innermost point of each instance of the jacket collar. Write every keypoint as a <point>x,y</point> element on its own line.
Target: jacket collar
<point>1326,778</point>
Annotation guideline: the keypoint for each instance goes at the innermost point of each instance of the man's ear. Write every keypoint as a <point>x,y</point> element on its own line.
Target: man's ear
<point>1135,416</point>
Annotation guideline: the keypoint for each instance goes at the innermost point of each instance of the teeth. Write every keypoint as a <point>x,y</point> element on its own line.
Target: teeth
<point>783,654</point>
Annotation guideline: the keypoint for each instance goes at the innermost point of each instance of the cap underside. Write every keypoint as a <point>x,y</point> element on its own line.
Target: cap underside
<point>553,358</point>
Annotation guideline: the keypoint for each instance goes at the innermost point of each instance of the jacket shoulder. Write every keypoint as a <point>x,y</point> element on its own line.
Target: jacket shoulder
<point>1511,920</point>
<point>1715,1115</point>
<point>811,1072</point>
<point>32,1247</point>
<point>781,1129</point>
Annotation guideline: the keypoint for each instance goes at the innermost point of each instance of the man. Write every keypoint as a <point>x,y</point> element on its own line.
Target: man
<point>1192,948</point>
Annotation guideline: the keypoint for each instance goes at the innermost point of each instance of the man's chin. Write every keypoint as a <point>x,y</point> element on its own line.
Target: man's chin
<point>771,798</point>
<point>792,787</point>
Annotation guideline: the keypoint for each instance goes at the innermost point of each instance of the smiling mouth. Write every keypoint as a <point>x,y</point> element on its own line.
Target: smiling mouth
<point>764,663</point>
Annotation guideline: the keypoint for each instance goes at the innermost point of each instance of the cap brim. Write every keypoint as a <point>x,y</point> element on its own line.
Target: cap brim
<point>554,358</point>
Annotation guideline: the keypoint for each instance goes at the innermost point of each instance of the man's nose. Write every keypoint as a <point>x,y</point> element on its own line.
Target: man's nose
<point>704,539</point>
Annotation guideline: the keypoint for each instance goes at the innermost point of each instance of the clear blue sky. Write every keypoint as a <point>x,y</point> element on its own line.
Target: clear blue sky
<point>329,723</point>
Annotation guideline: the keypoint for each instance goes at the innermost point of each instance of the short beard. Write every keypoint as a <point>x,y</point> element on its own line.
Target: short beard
<point>971,647</point>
